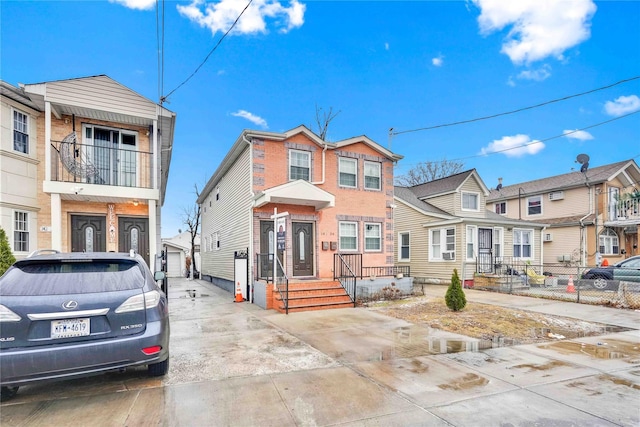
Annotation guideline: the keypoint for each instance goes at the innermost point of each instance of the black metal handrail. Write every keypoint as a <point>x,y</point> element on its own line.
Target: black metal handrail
<point>283,278</point>
<point>344,273</point>
<point>354,261</point>
<point>386,271</point>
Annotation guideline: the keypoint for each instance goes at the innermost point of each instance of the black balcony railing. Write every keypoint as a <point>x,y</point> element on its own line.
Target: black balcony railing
<point>101,164</point>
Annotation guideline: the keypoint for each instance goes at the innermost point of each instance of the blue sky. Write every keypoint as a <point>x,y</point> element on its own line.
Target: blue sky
<point>378,64</point>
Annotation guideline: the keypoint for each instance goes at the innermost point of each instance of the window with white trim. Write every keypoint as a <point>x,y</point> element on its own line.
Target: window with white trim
<point>608,242</point>
<point>372,175</point>
<point>472,233</point>
<point>498,241</point>
<point>21,231</point>
<point>443,241</point>
<point>469,201</point>
<point>348,172</point>
<point>299,165</point>
<point>348,236</point>
<point>20,132</point>
<point>404,250</point>
<point>216,240</point>
<point>206,244</point>
<point>372,237</point>
<point>534,205</point>
<point>501,208</point>
<point>522,243</point>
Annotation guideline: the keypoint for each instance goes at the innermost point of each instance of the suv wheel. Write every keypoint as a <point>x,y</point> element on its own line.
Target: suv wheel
<point>600,283</point>
<point>7,393</point>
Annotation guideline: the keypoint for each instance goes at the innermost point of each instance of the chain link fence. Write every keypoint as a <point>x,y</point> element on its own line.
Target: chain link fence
<point>608,285</point>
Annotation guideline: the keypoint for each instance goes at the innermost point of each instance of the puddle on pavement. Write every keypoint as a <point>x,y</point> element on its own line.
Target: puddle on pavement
<point>193,293</point>
<point>607,349</point>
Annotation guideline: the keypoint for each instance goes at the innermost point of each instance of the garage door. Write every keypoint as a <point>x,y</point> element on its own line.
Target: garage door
<point>173,264</point>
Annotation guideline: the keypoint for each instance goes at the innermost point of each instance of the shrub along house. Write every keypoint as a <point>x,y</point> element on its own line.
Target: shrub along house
<point>325,207</point>
<point>84,167</point>
<point>444,224</point>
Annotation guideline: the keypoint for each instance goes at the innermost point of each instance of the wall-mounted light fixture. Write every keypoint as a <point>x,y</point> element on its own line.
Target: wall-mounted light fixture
<point>136,203</point>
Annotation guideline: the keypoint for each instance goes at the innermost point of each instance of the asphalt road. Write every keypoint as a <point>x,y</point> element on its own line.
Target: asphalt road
<point>234,364</point>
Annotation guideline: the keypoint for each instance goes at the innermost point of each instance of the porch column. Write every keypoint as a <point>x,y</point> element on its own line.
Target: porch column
<point>56,222</point>
<point>153,231</point>
<point>47,141</point>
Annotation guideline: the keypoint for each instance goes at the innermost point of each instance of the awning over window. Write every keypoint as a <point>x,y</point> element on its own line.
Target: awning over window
<point>297,192</point>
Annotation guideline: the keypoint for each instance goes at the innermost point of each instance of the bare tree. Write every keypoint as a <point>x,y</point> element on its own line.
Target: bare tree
<point>191,218</point>
<point>323,119</point>
<point>428,171</point>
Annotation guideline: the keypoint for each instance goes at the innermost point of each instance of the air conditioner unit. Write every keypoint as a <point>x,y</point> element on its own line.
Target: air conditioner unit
<point>548,237</point>
<point>564,258</point>
<point>556,195</point>
<point>448,256</point>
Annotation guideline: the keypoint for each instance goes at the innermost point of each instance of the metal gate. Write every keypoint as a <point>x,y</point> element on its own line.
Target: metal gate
<point>241,272</point>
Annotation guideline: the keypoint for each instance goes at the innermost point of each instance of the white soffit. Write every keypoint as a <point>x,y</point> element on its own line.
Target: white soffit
<point>297,192</point>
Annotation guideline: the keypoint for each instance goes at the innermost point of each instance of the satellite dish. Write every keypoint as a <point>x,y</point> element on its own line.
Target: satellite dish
<point>583,159</point>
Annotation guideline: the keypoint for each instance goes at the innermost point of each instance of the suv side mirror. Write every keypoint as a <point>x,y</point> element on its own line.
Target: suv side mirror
<point>158,275</point>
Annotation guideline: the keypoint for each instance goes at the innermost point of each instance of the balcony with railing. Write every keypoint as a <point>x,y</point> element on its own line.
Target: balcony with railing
<point>101,164</point>
<point>627,208</point>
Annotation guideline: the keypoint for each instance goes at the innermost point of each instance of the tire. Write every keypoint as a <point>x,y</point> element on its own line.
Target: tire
<point>7,393</point>
<point>158,369</point>
<point>600,283</point>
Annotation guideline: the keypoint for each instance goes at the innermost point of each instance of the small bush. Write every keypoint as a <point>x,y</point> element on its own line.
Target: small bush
<point>455,298</point>
<point>6,257</point>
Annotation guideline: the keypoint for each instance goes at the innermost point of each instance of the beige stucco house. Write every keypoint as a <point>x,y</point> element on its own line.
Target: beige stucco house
<point>84,166</point>
<point>444,225</point>
<point>597,210</point>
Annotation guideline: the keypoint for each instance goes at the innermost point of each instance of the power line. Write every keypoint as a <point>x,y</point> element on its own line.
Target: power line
<point>164,98</point>
<point>518,110</point>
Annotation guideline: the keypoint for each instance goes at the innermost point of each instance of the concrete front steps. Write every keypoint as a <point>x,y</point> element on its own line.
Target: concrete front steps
<point>312,295</point>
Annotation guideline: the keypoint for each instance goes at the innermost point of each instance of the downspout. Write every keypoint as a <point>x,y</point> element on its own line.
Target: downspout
<point>250,264</point>
<point>583,233</point>
<point>323,166</point>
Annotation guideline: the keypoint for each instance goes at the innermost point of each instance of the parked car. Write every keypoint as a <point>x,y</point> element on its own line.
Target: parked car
<point>609,277</point>
<point>67,315</point>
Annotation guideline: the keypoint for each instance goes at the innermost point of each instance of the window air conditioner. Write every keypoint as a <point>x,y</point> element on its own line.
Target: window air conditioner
<point>548,237</point>
<point>556,195</point>
<point>448,256</point>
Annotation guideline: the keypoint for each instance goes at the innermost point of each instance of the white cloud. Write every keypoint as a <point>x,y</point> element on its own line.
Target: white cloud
<point>257,120</point>
<point>581,135</point>
<point>136,4</point>
<point>622,105</point>
<point>438,61</point>
<point>513,146</point>
<point>220,16</point>
<point>538,28</point>
<point>538,75</point>
<point>386,46</point>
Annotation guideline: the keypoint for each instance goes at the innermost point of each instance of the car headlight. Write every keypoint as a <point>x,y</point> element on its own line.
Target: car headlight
<point>140,302</point>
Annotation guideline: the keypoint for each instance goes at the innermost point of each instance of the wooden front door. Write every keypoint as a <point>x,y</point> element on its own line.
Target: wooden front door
<point>302,246</point>
<point>88,233</point>
<point>133,233</point>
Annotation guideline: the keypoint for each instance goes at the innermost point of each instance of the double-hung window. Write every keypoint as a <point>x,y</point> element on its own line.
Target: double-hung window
<point>534,205</point>
<point>522,243</point>
<point>21,231</point>
<point>404,253</point>
<point>348,236</point>
<point>20,132</point>
<point>472,232</point>
<point>348,172</point>
<point>501,208</point>
<point>469,201</point>
<point>609,243</point>
<point>372,176</point>
<point>443,244</point>
<point>497,242</point>
<point>372,237</point>
<point>299,165</point>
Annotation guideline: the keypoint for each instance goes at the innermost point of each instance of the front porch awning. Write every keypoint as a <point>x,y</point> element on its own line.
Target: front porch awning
<point>297,192</point>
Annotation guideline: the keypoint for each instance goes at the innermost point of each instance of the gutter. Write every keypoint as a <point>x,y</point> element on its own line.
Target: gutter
<point>323,166</point>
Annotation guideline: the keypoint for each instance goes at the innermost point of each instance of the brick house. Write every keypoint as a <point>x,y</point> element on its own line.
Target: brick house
<point>325,198</point>
<point>597,210</point>
<point>84,167</point>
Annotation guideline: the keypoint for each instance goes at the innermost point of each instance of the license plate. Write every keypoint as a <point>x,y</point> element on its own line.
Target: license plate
<point>67,328</point>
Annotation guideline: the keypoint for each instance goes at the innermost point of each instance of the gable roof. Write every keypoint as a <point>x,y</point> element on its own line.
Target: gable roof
<point>406,195</point>
<point>627,169</point>
<point>18,95</point>
<point>447,185</point>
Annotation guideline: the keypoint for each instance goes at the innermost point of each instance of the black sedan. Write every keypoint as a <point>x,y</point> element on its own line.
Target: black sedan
<point>608,277</point>
<point>65,315</point>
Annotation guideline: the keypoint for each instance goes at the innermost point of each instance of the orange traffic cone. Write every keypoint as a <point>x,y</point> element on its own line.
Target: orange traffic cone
<point>570,288</point>
<point>238,293</point>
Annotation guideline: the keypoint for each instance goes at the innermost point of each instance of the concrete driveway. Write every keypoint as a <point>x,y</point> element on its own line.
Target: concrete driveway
<point>234,364</point>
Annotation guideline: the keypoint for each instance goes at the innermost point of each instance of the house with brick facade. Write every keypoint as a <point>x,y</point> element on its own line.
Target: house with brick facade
<point>323,208</point>
<point>444,224</point>
<point>593,211</point>
<point>85,163</point>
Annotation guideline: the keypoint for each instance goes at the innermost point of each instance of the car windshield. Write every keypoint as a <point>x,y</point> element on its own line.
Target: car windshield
<point>71,277</point>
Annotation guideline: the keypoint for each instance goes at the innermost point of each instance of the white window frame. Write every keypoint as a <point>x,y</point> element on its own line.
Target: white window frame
<point>20,127</point>
<point>118,173</point>
<point>444,240</point>
<point>502,211</point>
<point>308,166</point>
<point>471,242</point>
<point>355,236</point>
<point>21,226</point>
<point>401,245</point>
<point>378,237</point>
<point>519,242</point>
<point>206,243</point>
<point>469,194</point>
<point>498,242</point>
<point>529,207</point>
<point>216,241</point>
<point>608,242</point>
<point>379,176</point>
<point>347,160</point>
